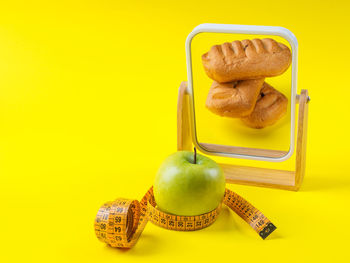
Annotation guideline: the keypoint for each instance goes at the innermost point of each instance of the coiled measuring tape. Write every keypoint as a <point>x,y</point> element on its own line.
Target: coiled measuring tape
<point>120,223</point>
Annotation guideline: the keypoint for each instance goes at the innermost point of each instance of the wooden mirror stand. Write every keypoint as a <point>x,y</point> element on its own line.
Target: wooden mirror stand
<point>256,176</point>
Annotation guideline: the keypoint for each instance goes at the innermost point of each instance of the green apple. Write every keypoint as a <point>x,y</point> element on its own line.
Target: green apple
<point>185,187</point>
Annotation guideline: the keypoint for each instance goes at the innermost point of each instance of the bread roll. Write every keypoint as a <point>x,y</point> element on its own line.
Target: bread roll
<point>270,107</point>
<point>246,59</point>
<point>235,99</point>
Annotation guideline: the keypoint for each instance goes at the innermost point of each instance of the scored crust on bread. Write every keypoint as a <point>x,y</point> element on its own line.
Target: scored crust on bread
<point>270,107</point>
<point>235,99</point>
<point>246,59</point>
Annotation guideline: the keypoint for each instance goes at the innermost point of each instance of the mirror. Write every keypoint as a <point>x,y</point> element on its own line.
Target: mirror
<point>235,111</point>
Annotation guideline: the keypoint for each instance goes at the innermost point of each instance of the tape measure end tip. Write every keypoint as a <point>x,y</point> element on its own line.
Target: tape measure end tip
<point>267,230</point>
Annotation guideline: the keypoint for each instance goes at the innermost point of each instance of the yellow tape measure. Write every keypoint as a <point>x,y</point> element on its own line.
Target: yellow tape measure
<point>120,223</point>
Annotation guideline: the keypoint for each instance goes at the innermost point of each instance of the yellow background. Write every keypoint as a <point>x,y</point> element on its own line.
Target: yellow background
<point>88,94</point>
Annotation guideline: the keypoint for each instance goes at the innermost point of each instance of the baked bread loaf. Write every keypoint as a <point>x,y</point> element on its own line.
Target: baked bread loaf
<point>234,99</point>
<point>246,59</point>
<point>270,107</point>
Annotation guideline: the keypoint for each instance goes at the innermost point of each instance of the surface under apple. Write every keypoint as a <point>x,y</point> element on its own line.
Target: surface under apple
<point>189,184</point>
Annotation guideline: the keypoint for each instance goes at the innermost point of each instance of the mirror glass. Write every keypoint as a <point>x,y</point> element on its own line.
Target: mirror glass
<point>241,133</point>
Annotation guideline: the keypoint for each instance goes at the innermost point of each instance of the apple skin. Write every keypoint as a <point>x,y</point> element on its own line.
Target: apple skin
<point>184,188</point>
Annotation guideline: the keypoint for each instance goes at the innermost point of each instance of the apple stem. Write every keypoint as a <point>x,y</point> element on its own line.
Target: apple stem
<point>195,155</point>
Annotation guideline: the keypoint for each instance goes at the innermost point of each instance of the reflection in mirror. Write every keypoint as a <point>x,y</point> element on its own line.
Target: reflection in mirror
<point>241,86</point>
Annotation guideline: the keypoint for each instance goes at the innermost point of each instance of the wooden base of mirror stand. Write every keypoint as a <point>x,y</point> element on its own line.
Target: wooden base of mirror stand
<point>256,176</point>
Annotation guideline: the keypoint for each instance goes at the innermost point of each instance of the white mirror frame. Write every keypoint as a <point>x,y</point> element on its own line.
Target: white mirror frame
<point>244,29</point>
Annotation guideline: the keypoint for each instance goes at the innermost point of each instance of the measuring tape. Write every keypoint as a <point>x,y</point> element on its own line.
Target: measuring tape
<point>120,223</point>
